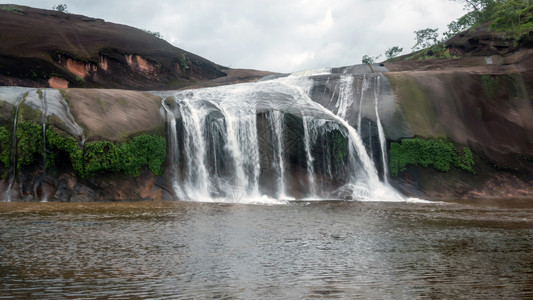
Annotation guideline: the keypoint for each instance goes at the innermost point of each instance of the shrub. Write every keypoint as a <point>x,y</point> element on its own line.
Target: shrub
<point>29,142</point>
<point>439,154</point>
<point>5,145</point>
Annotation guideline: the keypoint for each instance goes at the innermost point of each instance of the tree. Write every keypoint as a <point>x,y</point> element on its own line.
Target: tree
<point>369,59</point>
<point>425,38</point>
<point>481,10</point>
<point>61,8</point>
<point>462,24</point>
<point>154,33</point>
<point>393,52</point>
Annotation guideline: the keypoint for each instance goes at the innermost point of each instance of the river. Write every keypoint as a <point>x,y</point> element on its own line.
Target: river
<point>366,250</point>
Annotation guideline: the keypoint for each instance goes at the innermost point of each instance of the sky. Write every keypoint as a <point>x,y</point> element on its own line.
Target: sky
<point>276,35</point>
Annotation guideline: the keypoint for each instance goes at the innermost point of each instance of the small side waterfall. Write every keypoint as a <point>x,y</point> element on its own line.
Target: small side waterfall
<point>44,114</point>
<point>381,133</point>
<point>13,153</point>
<point>174,153</point>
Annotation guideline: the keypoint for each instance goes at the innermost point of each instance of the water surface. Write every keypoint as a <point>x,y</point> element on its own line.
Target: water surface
<point>300,250</point>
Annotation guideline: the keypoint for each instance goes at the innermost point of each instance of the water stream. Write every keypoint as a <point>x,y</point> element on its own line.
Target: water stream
<point>13,152</point>
<point>220,140</point>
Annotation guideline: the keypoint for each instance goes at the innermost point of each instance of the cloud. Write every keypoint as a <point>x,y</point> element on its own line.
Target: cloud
<point>276,35</point>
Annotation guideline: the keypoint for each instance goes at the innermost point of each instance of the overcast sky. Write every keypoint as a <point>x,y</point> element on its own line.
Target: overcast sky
<point>275,35</point>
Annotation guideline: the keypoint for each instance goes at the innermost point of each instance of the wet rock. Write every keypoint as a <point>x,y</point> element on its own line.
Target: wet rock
<point>83,193</point>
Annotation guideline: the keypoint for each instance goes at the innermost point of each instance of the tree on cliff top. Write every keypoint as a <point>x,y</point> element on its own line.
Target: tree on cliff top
<point>425,38</point>
<point>61,8</point>
<point>514,17</point>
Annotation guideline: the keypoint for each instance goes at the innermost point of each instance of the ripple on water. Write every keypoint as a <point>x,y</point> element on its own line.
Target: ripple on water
<point>299,250</point>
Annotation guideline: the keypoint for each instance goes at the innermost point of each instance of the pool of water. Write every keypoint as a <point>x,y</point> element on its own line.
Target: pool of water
<point>299,250</point>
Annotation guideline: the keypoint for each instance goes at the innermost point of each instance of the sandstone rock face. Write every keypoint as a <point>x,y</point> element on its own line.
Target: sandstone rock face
<point>40,48</point>
<point>482,100</point>
<point>484,104</point>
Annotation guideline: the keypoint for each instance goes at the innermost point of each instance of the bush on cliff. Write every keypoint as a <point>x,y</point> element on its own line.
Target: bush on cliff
<point>439,154</point>
<point>5,144</point>
<point>95,158</point>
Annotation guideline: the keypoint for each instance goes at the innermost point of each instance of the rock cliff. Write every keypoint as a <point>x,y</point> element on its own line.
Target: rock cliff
<point>94,144</point>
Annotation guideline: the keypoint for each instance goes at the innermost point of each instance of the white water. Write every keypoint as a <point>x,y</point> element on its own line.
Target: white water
<point>220,142</point>
<point>364,86</point>
<point>13,156</point>
<point>275,120</point>
<point>174,153</point>
<point>44,111</point>
<point>308,141</point>
<point>381,133</point>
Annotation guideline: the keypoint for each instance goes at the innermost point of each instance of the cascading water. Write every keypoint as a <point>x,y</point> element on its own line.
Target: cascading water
<point>364,87</point>
<point>174,153</point>
<point>275,119</point>
<point>381,133</point>
<point>13,153</point>
<point>309,139</point>
<point>49,102</point>
<point>44,110</point>
<point>218,139</point>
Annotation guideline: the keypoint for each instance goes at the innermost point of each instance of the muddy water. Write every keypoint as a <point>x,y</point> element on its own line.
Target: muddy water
<point>300,250</point>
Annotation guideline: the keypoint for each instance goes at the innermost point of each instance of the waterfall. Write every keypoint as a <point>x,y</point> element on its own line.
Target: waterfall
<point>364,86</point>
<point>218,139</point>
<point>13,153</point>
<point>308,141</point>
<point>44,113</point>
<point>174,153</point>
<point>275,120</point>
<point>345,100</point>
<point>381,133</point>
<point>195,152</point>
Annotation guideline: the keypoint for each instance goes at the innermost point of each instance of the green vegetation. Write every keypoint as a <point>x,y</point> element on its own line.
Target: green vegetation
<point>514,17</point>
<point>61,8</point>
<point>184,61</point>
<point>29,142</point>
<point>339,146</point>
<point>5,143</point>
<point>369,59</point>
<point>157,34</point>
<point>425,38</point>
<point>126,158</point>
<point>393,52</point>
<point>60,146</point>
<point>12,8</point>
<point>106,157</point>
<point>439,154</point>
<point>489,85</point>
<point>96,158</point>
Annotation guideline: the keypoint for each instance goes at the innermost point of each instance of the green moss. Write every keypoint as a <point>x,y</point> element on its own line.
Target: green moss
<point>438,154</point>
<point>339,146</point>
<point>29,142</point>
<point>489,85</point>
<point>100,157</point>
<point>415,106</point>
<point>12,8</point>
<point>26,113</point>
<point>106,157</point>
<point>59,146</point>
<point>126,158</point>
<point>5,145</point>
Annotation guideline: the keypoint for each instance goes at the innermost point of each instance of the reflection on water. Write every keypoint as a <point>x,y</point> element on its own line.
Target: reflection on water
<point>300,250</point>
